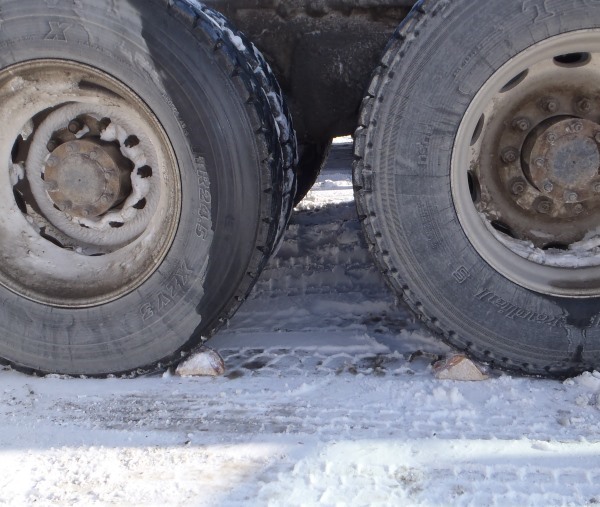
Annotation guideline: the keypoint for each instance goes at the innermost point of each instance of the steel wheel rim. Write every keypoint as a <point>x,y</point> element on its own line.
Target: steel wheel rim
<point>546,272</point>
<point>91,193</point>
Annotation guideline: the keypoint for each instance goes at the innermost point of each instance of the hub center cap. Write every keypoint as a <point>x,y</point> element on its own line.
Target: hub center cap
<point>565,160</point>
<point>86,178</point>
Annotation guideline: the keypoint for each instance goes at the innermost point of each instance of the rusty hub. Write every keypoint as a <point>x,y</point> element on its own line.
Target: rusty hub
<point>563,161</point>
<point>87,178</point>
<point>540,182</point>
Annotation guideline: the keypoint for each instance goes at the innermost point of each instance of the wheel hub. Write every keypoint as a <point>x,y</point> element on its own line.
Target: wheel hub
<point>86,178</point>
<point>564,160</point>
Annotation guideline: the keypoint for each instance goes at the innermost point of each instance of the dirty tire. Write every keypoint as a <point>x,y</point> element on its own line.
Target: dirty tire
<point>227,126</point>
<point>313,157</point>
<point>440,58</point>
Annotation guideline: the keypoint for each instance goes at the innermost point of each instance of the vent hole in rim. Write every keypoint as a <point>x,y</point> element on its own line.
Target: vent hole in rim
<point>573,59</point>
<point>478,130</point>
<point>515,81</point>
<point>503,228</point>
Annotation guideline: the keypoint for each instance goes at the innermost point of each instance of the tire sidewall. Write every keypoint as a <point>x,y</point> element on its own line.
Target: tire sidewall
<point>435,78</point>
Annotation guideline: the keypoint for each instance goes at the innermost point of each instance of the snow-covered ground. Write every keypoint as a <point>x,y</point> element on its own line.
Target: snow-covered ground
<point>328,399</point>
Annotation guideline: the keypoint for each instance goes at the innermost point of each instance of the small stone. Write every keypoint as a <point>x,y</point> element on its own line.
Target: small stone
<point>458,367</point>
<point>204,362</point>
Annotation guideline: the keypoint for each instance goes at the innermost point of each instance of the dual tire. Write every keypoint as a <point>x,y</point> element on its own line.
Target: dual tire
<point>212,177</point>
<point>458,238</point>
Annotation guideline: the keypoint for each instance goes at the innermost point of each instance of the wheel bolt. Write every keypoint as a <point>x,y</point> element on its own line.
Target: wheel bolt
<point>597,188</point>
<point>540,162</point>
<point>550,105</point>
<point>571,196</point>
<point>544,206</point>
<point>51,162</point>
<point>576,126</point>
<point>584,105</point>
<point>522,124</point>
<point>578,209</point>
<point>93,155</point>
<point>548,186</point>
<point>551,138</point>
<point>518,187</point>
<point>75,126</point>
<point>509,155</point>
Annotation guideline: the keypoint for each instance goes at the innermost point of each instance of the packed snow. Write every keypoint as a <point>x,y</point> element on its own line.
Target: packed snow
<point>329,398</point>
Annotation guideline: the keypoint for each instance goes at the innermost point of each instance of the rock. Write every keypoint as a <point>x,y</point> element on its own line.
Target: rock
<point>458,367</point>
<point>203,362</point>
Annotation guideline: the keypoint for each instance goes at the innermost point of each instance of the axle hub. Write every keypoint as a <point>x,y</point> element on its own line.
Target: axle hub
<point>564,159</point>
<point>87,178</point>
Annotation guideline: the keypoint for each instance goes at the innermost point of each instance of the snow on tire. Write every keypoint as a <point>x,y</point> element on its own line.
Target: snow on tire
<point>477,178</point>
<point>149,176</point>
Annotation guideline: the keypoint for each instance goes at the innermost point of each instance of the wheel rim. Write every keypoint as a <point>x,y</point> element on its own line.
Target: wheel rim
<point>91,197</point>
<point>526,167</point>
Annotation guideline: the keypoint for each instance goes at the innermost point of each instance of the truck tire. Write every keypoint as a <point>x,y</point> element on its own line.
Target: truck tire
<point>149,177</point>
<point>477,178</point>
<point>313,156</point>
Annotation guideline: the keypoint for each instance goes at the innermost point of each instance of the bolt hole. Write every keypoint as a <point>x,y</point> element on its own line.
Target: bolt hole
<point>131,141</point>
<point>50,238</point>
<point>515,81</point>
<point>141,204</point>
<point>104,123</point>
<point>555,246</point>
<point>144,172</point>
<point>474,187</point>
<point>503,228</point>
<point>116,225</point>
<point>573,59</point>
<point>15,149</point>
<point>478,130</point>
<point>20,201</point>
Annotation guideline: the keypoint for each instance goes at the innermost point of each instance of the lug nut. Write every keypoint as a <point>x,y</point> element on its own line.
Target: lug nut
<point>75,126</point>
<point>551,137</point>
<point>540,162</point>
<point>51,162</point>
<point>544,206</point>
<point>548,186</point>
<point>578,209</point>
<point>597,188</point>
<point>509,155</point>
<point>52,145</point>
<point>518,187</point>
<point>571,196</point>
<point>584,105</point>
<point>576,126</point>
<point>550,105</point>
<point>93,155</point>
<point>522,124</point>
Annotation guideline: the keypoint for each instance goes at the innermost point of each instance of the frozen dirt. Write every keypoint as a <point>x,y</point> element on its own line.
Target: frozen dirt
<point>328,399</point>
